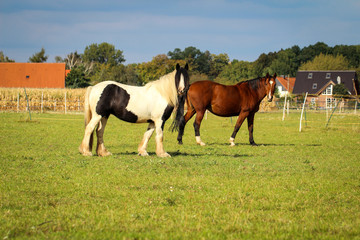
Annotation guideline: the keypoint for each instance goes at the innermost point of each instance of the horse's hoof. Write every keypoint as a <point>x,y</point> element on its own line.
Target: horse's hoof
<point>180,142</point>
<point>104,154</point>
<point>201,143</point>
<point>143,154</point>
<point>253,144</point>
<point>163,155</point>
<point>232,144</point>
<point>87,154</point>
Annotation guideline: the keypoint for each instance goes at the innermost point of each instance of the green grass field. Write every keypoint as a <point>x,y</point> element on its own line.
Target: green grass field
<point>293,186</point>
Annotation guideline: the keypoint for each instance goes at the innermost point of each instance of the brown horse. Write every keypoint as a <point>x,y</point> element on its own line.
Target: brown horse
<point>242,99</point>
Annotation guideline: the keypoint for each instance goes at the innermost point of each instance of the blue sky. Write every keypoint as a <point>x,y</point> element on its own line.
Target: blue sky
<point>143,29</point>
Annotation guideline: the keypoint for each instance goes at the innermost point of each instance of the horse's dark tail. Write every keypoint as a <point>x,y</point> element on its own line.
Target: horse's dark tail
<point>179,113</point>
<point>182,121</point>
<point>88,114</point>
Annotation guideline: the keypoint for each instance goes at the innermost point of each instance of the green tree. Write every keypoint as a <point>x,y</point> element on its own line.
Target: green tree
<point>157,67</point>
<point>263,63</point>
<point>310,52</point>
<point>236,72</point>
<point>59,59</point>
<point>199,61</point>
<point>286,62</point>
<point>103,53</point>
<point>352,54</point>
<point>217,64</point>
<point>340,89</point>
<point>39,57</point>
<point>326,62</point>
<point>77,78</point>
<point>73,59</point>
<point>4,58</point>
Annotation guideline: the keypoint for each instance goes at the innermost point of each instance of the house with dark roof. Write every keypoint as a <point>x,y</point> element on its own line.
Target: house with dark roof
<point>319,85</point>
<point>285,85</point>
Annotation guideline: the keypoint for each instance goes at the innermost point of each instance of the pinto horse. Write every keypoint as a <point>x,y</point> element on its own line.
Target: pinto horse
<point>242,99</point>
<point>152,103</point>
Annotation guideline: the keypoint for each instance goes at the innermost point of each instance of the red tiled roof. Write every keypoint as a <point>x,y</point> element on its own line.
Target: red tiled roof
<point>284,81</point>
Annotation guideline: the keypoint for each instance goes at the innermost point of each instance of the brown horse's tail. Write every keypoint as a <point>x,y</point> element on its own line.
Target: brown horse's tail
<point>88,114</point>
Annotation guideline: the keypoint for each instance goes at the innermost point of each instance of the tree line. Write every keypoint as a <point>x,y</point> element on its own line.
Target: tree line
<point>103,61</point>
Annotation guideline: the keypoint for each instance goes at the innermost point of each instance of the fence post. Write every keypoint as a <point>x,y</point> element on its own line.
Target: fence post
<point>42,101</point>
<point>332,114</point>
<point>302,111</point>
<point>288,106</point>
<point>65,101</point>
<point>18,102</point>
<point>355,106</point>
<point>28,106</point>
<point>284,108</point>
<point>78,104</point>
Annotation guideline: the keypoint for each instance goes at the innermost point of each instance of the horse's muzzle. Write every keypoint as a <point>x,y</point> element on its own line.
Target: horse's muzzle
<point>181,92</point>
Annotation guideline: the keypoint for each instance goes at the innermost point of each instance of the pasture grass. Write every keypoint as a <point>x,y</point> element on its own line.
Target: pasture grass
<point>292,186</point>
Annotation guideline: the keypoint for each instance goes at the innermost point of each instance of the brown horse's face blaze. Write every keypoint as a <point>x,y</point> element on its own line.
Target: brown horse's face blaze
<point>270,86</point>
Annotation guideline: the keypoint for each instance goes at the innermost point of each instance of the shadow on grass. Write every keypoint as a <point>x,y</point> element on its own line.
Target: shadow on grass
<point>184,154</point>
<point>265,144</point>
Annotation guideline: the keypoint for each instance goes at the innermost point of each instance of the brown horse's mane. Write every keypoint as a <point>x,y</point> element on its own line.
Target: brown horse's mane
<point>254,83</point>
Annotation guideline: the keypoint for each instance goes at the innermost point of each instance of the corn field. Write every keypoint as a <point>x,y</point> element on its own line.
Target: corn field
<point>57,100</point>
<point>42,100</point>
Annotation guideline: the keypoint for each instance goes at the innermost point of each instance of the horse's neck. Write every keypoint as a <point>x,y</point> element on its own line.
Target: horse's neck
<point>261,90</point>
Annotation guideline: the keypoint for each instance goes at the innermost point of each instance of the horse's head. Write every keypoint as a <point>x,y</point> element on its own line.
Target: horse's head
<point>182,83</point>
<point>182,80</point>
<point>270,86</point>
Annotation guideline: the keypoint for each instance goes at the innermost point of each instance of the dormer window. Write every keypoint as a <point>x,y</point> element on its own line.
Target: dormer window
<point>328,75</point>
<point>310,75</point>
<point>314,86</point>
<point>338,80</point>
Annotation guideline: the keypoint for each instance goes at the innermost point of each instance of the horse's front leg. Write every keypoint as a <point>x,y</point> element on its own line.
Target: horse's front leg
<point>159,126</point>
<point>86,144</point>
<point>250,120</point>
<point>197,123</point>
<point>144,142</point>
<point>238,124</point>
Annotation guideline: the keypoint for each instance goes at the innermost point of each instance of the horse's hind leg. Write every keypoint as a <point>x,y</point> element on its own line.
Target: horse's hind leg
<point>100,148</point>
<point>183,122</point>
<point>89,129</point>
<point>144,142</point>
<point>197,123</point>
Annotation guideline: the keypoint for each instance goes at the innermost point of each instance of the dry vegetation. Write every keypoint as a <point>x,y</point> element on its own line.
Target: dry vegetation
<point>14,99</point>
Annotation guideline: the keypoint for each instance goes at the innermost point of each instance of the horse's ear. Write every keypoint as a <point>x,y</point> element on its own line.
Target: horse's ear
<point>267,75</point>
<point>187,67</point>
<point>177,67</point>
<point>274,75</point>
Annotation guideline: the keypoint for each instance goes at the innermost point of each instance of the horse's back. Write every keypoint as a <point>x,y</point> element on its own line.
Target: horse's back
<point>222,100</point>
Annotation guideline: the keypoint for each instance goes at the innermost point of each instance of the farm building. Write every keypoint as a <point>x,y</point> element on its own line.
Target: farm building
<point>285,85</point>
<point>32,75</point>
<point>319,85</point>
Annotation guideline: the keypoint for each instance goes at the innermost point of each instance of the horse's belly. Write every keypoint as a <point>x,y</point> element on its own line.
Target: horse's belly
<point>224,111</point>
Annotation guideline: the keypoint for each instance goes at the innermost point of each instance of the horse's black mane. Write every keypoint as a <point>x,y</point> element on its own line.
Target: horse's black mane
<point>254,83</point>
